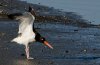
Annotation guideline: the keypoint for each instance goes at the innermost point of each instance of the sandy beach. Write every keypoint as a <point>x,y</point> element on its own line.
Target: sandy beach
<point>72,45</point>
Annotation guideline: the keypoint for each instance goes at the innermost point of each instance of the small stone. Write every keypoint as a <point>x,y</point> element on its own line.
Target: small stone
<point>66,51</point>
<point>42,50</point>
<point>22,54</point>
<point>84,50</point>
<point>75,30</point>
<point>94,49</point>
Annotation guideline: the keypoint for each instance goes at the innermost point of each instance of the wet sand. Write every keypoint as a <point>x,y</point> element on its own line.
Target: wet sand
<point>72,45</point>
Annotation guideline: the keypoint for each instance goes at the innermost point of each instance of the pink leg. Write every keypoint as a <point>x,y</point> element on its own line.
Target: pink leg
<point>27,52</point>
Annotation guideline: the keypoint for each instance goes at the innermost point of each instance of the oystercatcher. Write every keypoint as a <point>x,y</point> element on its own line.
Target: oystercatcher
<point>27,32</point>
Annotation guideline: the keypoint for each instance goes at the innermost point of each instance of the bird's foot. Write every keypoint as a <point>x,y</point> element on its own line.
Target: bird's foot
<point>29,58</point>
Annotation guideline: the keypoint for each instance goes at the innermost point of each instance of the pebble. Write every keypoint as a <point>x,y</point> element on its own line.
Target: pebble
<point>22,54</point>
<point>42,50</point>
<point>85,50</point>
<point>75,30</point>
<point>94,49</point>
<point>66,51</point>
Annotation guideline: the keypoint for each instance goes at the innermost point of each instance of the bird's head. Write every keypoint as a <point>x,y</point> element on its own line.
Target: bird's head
<point>41,39</point>
<point>32,11</point>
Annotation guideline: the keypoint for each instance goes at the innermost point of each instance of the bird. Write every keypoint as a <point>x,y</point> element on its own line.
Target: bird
<point>27,32</point>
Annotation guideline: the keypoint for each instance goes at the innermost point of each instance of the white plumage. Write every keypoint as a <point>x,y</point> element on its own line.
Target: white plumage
<point>25,29</point>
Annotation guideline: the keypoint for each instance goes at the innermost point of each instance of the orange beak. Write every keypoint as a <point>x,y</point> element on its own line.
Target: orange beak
<point>47,44</point>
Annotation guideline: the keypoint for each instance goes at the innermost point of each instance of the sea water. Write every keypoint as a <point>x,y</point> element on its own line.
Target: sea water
<point>89,9</point>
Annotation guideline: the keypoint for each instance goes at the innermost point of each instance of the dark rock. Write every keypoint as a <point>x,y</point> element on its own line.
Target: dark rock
<point>66,51</point>
<point>22,54</point>
<point>94,49</point>
<point>75,30</point>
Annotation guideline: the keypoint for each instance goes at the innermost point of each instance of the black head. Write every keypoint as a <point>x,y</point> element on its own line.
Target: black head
<point>31,10</point>
<point>41,39</point>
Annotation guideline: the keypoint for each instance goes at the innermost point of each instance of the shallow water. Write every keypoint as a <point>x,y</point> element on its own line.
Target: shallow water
<point>72,45</point>
<point>89,9</point>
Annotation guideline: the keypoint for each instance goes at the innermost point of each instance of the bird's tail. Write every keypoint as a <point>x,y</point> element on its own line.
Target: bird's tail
<point>17,40</point>
<point>14,40</point>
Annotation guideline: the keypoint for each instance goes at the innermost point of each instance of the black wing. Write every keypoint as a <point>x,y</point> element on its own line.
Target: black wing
<point>14,15</point>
